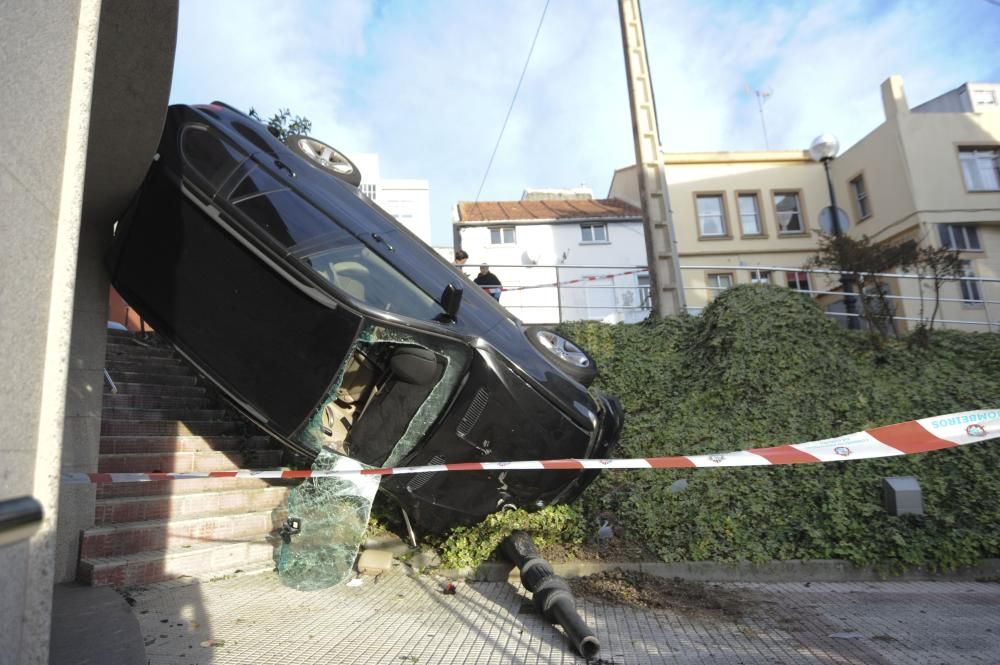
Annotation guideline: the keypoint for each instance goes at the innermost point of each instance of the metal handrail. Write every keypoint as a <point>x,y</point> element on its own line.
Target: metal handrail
<point>111,383</point>
<point>19,519</point>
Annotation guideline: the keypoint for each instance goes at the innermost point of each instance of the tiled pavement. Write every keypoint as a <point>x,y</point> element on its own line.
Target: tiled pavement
<point>400,620</point>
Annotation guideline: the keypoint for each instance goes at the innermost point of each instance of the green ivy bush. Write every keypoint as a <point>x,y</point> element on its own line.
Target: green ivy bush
<point>469,546</point>
<point>764,366</point>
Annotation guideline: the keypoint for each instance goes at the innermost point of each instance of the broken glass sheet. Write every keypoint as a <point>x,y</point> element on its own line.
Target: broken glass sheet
<point>333,516</point>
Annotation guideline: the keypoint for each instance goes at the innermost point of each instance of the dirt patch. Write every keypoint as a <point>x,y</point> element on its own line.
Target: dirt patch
<point>636,589</point>
<point>616,551</point>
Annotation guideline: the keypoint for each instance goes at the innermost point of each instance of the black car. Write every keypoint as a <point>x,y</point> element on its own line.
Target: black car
<point>334,328</point>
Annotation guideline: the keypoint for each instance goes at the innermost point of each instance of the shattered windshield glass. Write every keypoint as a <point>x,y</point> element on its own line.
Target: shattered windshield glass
<point>330,516</point>
<point>369,418</point>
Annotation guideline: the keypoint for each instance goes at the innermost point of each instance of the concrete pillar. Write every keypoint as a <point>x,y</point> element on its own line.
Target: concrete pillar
<point>47,90</point>
<point>48,50</point>
<point>135,57</point>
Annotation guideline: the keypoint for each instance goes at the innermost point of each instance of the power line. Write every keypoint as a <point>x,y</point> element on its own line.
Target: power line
<point>514,99</point>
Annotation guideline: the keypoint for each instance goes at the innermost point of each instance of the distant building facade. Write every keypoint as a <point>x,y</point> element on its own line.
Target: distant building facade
<point>588,253</point>
<point>929,174</point>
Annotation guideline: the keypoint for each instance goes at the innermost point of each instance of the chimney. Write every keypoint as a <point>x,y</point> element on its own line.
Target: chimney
<point>894,97</point>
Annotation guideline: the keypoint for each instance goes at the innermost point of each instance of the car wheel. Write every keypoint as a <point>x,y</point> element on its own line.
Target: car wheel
<point>563,353</point>
<point>325,158</point>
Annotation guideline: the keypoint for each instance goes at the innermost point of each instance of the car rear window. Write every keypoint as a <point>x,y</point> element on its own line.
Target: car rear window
<point>281,213</point>
<point>209,156</point>
<point>329,249</point>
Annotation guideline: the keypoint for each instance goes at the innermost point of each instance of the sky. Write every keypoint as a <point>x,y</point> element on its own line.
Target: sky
<point>426,84</point>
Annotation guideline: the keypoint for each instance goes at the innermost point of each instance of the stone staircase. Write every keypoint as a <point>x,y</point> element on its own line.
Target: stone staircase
<point>164,418</point>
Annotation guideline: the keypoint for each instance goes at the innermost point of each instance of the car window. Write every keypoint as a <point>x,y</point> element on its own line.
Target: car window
<point>353,267</point>
<point>209,156</point>
<point>327,247</point>
<point>281,213</point>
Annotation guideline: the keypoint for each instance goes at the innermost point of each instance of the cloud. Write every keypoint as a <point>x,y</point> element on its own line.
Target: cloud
<point>255,53</point>
<point>426,85</point>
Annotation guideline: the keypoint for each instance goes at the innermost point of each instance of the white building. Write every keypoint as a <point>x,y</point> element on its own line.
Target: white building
<point>407,200</point>
<point>560,259</point>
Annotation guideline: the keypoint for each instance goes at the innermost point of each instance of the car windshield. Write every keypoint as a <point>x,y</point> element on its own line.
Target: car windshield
<point>350,265</point>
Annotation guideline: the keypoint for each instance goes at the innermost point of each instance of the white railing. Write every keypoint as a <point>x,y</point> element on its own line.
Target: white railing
<point>616,293</point>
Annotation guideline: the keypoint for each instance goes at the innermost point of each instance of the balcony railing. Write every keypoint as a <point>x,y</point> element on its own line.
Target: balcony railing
<point>617,293</point>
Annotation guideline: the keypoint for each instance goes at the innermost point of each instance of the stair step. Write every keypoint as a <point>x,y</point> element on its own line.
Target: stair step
<point>124,401</point>
<point>146,389</point>
<point>185,414</point>
<point>187,486</point>
<point>111,445</point>
<point>199,561</point>
<point>116,350</point>
<point>155,379</point>
<point>172,534</point>
<point>187,461</point>
<point>176,427</point>
<point>166,366</point>
<point>180,506</point>
<point>138,363</point>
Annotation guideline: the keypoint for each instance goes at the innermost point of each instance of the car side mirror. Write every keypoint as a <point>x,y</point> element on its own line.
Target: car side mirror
<point>451,299</point>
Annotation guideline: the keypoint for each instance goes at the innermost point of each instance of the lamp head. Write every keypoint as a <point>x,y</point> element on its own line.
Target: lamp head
<point>824,147</point>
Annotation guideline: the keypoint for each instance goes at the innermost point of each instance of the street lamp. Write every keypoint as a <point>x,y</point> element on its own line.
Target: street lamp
<point>823,149</point>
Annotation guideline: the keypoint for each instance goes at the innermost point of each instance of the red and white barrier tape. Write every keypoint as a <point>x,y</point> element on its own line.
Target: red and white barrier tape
<point>908,438</point>
<point>592,278</point>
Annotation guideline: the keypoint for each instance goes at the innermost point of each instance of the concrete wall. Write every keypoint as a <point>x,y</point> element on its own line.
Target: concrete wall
<point>134,65</point>
<point>48,50</point>
<point>879,160</point>
<point>52,292</point>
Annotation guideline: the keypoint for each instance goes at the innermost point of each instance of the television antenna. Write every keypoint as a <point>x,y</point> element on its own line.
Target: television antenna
<point>762,96</point>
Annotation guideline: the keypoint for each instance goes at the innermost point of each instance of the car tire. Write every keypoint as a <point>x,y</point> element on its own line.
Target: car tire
<point>325,157</point>
<point>563,353</point>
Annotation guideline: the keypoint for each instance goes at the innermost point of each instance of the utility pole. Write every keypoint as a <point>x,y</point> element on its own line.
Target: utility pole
<point>665,282</point>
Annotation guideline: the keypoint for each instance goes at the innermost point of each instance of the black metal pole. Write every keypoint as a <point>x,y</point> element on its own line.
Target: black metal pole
<point>846,281</point>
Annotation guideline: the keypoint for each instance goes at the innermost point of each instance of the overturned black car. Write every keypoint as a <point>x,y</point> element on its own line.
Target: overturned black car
<point>336,329</point>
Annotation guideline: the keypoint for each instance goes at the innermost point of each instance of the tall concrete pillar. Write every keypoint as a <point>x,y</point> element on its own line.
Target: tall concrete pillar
<point>133,68</point>
<point>48,89</point>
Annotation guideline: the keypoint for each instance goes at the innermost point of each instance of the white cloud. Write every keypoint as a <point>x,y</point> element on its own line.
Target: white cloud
<point>427,84</point>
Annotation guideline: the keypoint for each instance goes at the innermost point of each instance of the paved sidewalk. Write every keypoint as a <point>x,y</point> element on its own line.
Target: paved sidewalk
<point>400,620</point>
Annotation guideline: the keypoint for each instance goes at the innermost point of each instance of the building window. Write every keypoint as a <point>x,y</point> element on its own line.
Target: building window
<point>642,286</point>
<point>798,281</point>
<point>749,215</point>
<point>984,98</point>
<point>368,190</point>
<point>502,235</point>
<point>862,207</point>
<point>711,215</point>
<point>718,282</point>
<point>760,276</point>
<point>959,236</point>
<point>595,233</point>
<point>789,212</point>
<point>971,292</point>
<point>980,168</point>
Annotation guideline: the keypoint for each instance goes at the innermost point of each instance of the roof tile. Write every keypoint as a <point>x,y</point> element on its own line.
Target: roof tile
<point>544,210</point>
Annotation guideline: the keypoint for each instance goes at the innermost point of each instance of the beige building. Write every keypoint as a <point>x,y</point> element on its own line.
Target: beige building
<point>931,173</point>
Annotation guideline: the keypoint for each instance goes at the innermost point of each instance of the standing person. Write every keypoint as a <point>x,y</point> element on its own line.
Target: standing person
<point>490,282</point>
<point>461,256</point>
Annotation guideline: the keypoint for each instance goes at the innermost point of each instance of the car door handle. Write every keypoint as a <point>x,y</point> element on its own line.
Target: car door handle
<point>284,167</point>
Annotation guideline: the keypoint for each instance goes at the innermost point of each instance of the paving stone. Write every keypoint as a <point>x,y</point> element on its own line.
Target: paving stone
<point>406,619</point>
<point>374,562</point>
